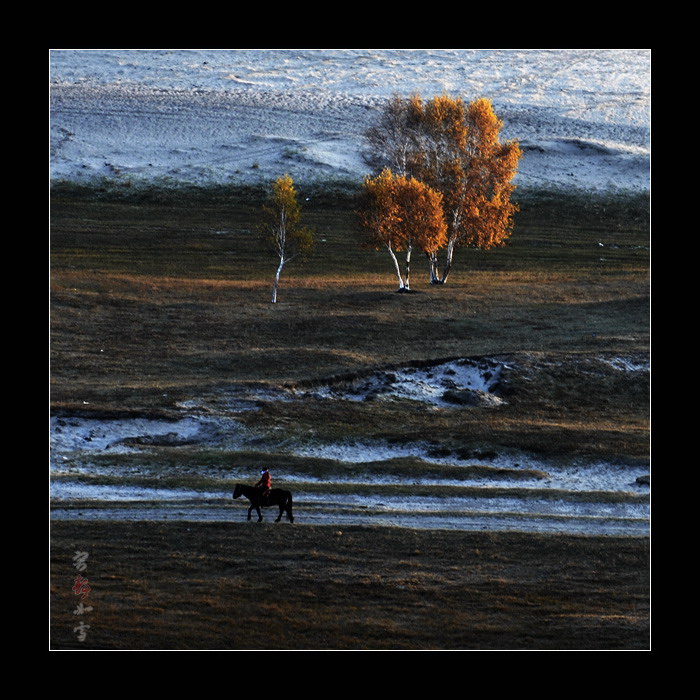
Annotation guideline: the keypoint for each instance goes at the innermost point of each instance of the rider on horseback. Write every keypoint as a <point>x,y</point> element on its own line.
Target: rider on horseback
<point>264,484</point>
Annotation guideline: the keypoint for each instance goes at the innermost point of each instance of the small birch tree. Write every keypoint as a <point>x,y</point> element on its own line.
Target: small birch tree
<point>402,214</point>
<point>281,227</point>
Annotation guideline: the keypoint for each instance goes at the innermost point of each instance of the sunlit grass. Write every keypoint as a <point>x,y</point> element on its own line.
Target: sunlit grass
<point>153,303</point>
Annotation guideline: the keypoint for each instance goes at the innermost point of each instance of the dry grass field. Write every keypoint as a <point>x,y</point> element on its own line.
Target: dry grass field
<point>174,296</point>
<point>156,299</point>
<point>246,587</point>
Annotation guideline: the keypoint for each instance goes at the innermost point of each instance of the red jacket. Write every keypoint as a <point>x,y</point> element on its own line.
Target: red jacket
<point>265,481</point>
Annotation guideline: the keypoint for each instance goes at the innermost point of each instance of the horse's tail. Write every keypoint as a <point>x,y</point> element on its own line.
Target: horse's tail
<point>289,506</point>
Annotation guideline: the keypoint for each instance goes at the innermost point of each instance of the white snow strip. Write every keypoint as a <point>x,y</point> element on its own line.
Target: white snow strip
<point>220,116</point>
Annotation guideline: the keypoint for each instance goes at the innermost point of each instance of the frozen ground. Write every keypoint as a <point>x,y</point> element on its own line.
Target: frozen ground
<point>484,491</point>
<point>247,116</point>
<point>461,382</point>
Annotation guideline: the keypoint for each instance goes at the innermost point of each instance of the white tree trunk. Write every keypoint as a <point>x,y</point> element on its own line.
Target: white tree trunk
<point>432,267</point>
<point>435,278</point>
<point>396,265</point>
<point>277,280</point>
<point>448,260</point>
<point>408,267</point>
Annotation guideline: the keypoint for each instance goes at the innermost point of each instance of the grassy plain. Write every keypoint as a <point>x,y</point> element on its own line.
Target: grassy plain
<point>172,296</point>
<point>159,298</point>
<point>248,587</point>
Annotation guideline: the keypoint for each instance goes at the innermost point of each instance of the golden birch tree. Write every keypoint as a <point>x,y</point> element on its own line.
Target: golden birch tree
<point>402,214</point>
<point>454,148</point>
<point>281,227</point>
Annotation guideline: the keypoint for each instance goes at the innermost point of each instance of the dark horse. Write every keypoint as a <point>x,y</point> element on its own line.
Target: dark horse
<point>276,497</point>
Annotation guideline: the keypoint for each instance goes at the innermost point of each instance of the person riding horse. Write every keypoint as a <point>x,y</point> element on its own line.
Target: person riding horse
<point>264,485</point>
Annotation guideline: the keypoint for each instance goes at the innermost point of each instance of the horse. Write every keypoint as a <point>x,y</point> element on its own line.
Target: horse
<point>276,497</point>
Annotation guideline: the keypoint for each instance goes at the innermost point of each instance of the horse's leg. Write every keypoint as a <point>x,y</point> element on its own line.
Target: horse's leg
<point>257,507</point>
<point>250,511</point>
<point>279,517</point>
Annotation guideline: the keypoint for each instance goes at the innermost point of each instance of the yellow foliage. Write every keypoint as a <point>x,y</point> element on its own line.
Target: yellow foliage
<point>454,149</point>
<point>281,223</point>
<point>403,212</point>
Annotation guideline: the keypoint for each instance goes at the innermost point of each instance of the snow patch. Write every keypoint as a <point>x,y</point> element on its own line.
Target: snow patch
<point>460,382</point>
<point>628,364</point>
<point>71,434</point>
<point>75,490</point>
<point>247,116</point>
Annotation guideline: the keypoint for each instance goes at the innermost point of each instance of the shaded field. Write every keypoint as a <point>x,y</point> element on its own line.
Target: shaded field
<point>240,586</point>
<point>154,302</point>
<point>159,300</point>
